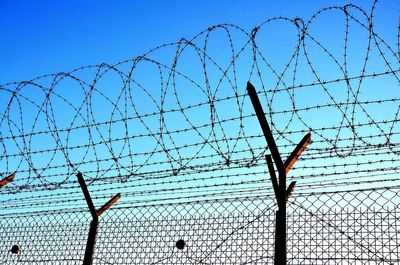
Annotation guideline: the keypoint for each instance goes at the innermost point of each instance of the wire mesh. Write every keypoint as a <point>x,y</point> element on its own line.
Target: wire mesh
<point>230,231</point>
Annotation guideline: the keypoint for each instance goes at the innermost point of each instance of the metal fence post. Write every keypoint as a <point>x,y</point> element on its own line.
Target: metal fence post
<point>91,241</point>
<point>281,192</point>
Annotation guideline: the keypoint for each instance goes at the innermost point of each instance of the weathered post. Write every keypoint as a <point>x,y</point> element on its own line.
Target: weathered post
<point>91,241</point>
<point>281,192</point>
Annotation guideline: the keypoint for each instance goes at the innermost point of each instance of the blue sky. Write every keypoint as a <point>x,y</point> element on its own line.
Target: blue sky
<point>41,37</point>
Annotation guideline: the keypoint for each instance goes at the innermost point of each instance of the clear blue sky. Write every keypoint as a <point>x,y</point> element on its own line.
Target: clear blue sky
<point>41,37</point>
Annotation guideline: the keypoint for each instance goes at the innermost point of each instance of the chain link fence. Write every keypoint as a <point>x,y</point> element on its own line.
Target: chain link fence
<point>358,227</point>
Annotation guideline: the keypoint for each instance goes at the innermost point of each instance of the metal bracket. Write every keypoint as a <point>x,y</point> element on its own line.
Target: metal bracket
<point>7,180</point>
<point>294,156</point>
<point>108,204</point>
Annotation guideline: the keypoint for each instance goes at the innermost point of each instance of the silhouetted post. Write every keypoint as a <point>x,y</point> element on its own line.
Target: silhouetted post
<point>7,180</point>
<point>281,192</point>
<point>91,241</point>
